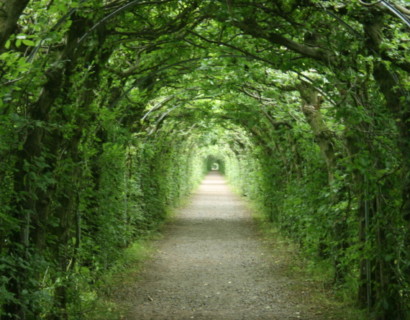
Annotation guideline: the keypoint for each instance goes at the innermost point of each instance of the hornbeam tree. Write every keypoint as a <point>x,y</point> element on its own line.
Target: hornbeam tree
<point>111,111</point>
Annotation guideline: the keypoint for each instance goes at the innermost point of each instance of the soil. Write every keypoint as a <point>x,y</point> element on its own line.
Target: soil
<point>212,263</point>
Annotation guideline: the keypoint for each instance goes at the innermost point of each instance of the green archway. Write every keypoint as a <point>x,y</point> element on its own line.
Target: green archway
<point>110,109</point>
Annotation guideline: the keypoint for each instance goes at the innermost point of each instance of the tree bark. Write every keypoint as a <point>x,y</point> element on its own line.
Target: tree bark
<point>311,103</point>
<point>10,11</point>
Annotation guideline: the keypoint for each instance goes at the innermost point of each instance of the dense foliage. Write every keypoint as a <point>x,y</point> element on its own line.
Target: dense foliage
<point>112,110</point>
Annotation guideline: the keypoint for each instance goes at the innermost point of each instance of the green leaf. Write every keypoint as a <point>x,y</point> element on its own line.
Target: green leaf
<point>28,43</point>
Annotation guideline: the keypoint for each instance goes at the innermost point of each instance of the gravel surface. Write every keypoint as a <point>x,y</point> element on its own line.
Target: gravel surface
<point>212,264</point>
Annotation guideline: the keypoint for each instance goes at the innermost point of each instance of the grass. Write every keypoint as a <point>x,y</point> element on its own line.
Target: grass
<point>119,279</point>
<point>309,276</point>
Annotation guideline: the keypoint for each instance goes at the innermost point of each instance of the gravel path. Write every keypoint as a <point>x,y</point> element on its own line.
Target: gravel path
<point>211,264</point>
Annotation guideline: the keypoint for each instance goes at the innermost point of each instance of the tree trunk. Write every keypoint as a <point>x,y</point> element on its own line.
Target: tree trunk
<point>397,101</point>
<point>10,11</point>
<point>324,137</point>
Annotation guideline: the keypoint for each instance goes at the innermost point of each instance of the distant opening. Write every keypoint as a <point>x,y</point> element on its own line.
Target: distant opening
<point>215,163</point>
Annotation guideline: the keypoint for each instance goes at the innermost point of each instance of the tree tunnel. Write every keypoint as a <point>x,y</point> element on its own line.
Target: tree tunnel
<point>112,111</point>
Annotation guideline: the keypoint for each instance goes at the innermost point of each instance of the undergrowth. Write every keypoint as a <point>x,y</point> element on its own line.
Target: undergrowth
<point>318,274</point>
<point>120,278</point>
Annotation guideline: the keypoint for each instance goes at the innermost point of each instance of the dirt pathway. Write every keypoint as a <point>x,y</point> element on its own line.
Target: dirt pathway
<point>211,264</point>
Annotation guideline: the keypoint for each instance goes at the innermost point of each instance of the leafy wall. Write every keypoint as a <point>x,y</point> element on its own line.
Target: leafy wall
<point>110,111</point>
